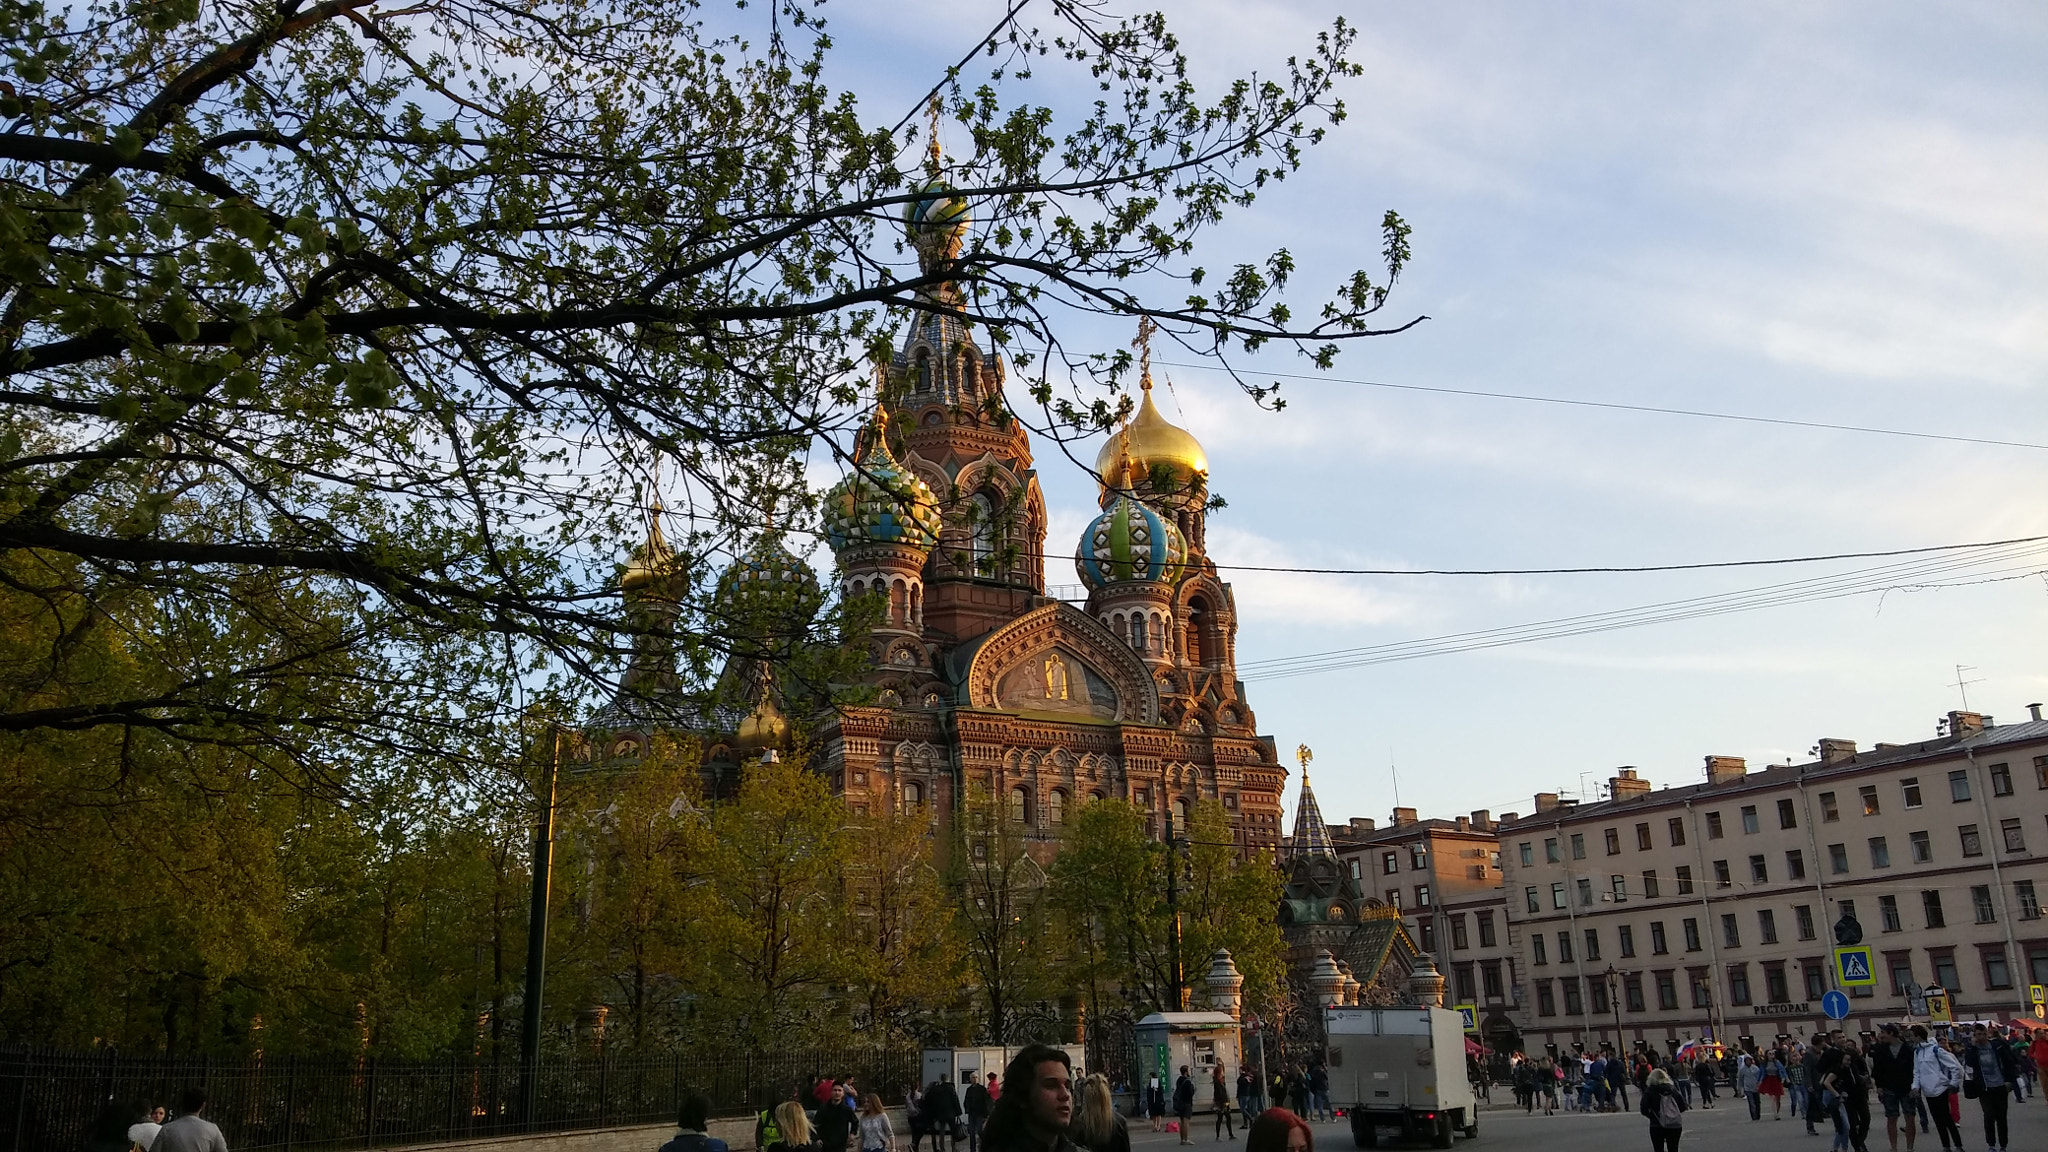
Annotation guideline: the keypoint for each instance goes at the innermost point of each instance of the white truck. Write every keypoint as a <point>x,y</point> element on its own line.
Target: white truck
<point>1401,1068</point>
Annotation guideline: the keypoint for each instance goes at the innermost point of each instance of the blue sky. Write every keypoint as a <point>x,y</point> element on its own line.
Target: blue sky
<point>1824,212</point>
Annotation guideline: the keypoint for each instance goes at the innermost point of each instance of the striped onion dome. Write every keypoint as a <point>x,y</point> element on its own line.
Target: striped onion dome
<point>1130,542</point>
<point>880,501</point>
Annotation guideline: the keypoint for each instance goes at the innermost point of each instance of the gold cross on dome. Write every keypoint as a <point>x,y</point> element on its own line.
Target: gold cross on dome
<point>932,112</point>
<point>1144,346</point>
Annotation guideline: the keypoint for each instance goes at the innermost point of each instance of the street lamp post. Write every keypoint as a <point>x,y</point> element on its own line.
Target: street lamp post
<point>1174,844</point>
<point>1614,1001</point>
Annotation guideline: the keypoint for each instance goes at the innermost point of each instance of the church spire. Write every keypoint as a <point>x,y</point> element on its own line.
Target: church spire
<point>1311,836</point>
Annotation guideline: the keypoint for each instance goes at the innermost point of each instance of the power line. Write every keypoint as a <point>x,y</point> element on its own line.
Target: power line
<point>1740,417</point>
<point>1631,568</point>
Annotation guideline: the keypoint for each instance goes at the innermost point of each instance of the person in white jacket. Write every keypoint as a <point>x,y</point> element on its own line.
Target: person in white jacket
<point>1937,1076</point>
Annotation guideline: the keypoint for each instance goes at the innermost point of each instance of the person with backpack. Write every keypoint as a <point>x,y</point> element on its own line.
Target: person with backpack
<point>1184,1104</point>
<point>1990,1069</point>
<point>1665,1110</point>
<point>913,1114</point>
<point>1937,1075</point>
<point>693,1127</point>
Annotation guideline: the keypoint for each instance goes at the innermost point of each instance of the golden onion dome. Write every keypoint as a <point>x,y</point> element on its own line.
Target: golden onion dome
<point>1149,441</point>
<point>764,727</point>
<point>652,560</point>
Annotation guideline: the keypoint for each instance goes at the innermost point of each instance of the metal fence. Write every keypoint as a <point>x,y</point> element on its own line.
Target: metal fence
<point>50,1100</point>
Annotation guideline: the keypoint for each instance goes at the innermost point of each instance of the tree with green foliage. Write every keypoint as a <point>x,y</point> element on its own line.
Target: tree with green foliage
<point>1230,900</point>
<point>1001,912</point>
<point>1109,893</point>
<point>907,957</point>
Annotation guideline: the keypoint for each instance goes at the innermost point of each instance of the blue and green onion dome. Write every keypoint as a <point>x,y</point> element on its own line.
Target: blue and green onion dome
<point>1130,542</point>
<point>881,501</point>
<point>939,212</point>
<point>769,579</point>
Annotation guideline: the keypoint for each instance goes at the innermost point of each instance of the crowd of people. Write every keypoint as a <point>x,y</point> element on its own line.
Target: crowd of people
<point>1921,1082</point>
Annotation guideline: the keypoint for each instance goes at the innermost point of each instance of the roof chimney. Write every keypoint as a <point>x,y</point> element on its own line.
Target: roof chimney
<point>1625,786</point>
<point>1464,823</point>
<point>1402,818</point>
<point>1509,818</point>
<point>1361,824</point>
<point>1546,802</point>
<point>1725,769</point>
<point>1482,819</point>
<point>2035,709</point>
<point>1966,723</point>
<point>1833,751</point>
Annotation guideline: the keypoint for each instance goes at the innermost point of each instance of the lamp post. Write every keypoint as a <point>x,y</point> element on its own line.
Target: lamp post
<point>1174,844</point>
<point>1614,1001</point>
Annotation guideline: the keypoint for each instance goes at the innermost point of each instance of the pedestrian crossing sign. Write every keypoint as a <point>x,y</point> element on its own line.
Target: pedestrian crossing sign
<point>1854,967</point>
<point>1469,1013</point>
<point>2037,993</point>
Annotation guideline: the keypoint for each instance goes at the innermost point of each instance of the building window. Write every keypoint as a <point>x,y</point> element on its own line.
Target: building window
<point>913,795</point>
<point>1795,864</point>
<point>1702,992</point>
<point>1528,854</point>
<point>1775,990</point>
<point>1816,981</point>
<point>1418,857</point>
<point>1056,807</point>
<point>1357,869</point>
<point>1758,873</point>
<point>1802,918</point>
<point>1650,885</point>
<point>2015,840</point>
<point>1980,900</point>
<point>1911,787</point>
<point>1683,873</point>
<point>1930,903</point>
<point>1632,991</point>
<point>1422,895</point>
<point>1888,913</point>
<point>1959,785</point>
<point>1973,842</point>
<point>2023,895</point>
<point>1788,816</point>
<point>1020,806</point>
<point>1731,933</point>
<point>1537,949</point>
<point>1390,863</point>
<point>1923,847</point>
<point>1578,845</point>
<point>1564,947</point>
<point>1642,837</point>
<point>1713,825</point>
<point>1592,943</point>
<point>2037,964</point>
<point>1738,984</point>
<point>1658,944</point>
<point>1598,988</point>
<point>1667,991</point>
<point>1749,824</point>
<point>1428,928</point>
<point>1535,901</point>
<point>1627,936</point>
<point>1466,990</point>
<point>1139,641</point>
<point>1393,897</point>
<point>1486,937</point>
<point>2041,781</point>
<point>1459,939</point>
<point>1901,965</point>
<point>1574,1005</point>
<point>1676,827</point>
<point>1489,981</point>
<point>1944,961</point>
<point>1880,854</point>
<point>2001,780</point>
<point>1613,838</point>
<point>1722,878</point>
<point>1585,892</point>
<point>1869,795</point>
<point>1838,859</point>
<point>1620,885</point>
<point>1546,1000</point>
<point>1767,926</point>
<point>1550,849</point>
<point>1996,973</point>
<point>1829,812</point>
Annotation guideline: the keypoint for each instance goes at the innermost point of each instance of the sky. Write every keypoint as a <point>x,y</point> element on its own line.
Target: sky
<point>1826,212</point>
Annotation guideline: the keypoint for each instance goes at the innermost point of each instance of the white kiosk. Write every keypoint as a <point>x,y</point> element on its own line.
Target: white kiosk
<point>1199,1040</point>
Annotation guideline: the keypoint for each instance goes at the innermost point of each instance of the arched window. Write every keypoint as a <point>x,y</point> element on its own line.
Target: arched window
<point>1138,631</point>
<point>924,369</point>
<point>1198,630</point>
<point>913,796</point>
<point>981,512</point>
<point>1020,806</point>
<point>1180,814</point>
<point>970,371</point>
<point>1056,807</point>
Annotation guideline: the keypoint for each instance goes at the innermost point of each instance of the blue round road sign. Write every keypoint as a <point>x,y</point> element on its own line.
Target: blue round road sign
<point>1835,1005</point>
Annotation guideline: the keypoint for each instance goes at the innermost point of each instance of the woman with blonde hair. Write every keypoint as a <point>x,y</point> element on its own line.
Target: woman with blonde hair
<point>1096,1125</point>
<point>794,1128</point>
<point>1665,1109</point>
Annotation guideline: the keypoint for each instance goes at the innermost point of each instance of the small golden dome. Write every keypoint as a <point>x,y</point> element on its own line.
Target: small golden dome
<point>764,727</point>
<point>653,560</point>
<point>1149,440</point>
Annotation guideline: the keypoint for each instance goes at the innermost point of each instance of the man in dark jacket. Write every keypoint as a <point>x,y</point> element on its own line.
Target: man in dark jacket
<point>941,1110</point>
<point>976,1104</point>
<point>1992,1065</point>
<point>1811,1063</point>
<point>1617,1084</point>
<point>835,1123</point>
<point>1891,1069</point>
<point>1184,1104</point>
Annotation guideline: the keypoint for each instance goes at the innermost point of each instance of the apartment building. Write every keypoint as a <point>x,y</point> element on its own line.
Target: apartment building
<point>1445,878</point>
<point>1657,913</point>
